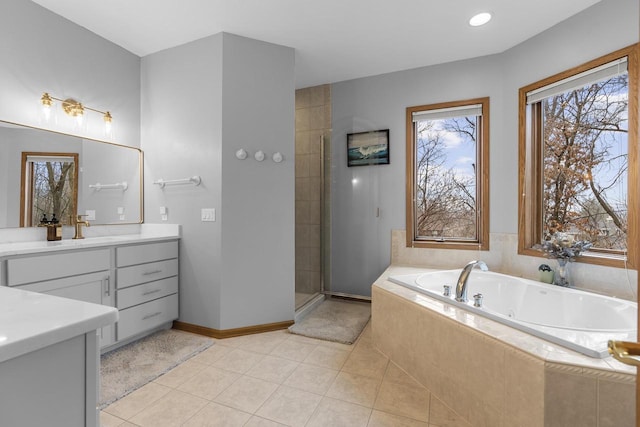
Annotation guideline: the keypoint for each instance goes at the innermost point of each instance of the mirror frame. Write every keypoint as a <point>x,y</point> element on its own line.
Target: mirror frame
<point>140,166</point>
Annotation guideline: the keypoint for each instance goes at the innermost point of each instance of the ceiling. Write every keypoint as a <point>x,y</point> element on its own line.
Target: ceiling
<point>334,40</point>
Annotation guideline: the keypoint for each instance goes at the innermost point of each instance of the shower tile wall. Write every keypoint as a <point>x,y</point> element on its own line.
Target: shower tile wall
<point>313,120</point>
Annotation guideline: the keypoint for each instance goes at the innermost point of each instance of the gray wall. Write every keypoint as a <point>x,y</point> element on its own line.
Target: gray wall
<point>360,240</point>
<point>201,102</point>
<point>43,52</point>
<point>257,211</point>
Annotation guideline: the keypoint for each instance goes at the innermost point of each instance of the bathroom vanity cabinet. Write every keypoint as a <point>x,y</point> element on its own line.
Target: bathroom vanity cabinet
<point>147,287</point>
<point>137,276</point>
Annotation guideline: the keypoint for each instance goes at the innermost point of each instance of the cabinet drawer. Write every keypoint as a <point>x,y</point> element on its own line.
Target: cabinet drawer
<point>53,266</point>
<point>129,276</point>
<point>146,316</point>
<point>139,254</point>
<point>139,294</point>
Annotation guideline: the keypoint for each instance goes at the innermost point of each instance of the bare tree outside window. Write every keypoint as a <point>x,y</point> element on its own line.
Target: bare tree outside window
<point>446,178</point>
<point>53,185</point>
<point>585,162</point>
<point>49,183</point>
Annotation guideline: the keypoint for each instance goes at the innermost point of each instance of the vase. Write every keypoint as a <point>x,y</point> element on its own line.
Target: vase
<point>562,276</point>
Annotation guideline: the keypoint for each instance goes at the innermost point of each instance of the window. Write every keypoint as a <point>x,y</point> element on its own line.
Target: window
<point>49,186</point>
<point>448,175</point>
<point>578,158</point>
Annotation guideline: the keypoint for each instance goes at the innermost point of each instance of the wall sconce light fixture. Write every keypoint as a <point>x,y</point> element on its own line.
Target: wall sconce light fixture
<point>76,110</point>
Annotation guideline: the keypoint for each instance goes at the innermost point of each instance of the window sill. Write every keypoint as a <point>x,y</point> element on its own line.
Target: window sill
<point>430,244</point>
<point>606,260</point>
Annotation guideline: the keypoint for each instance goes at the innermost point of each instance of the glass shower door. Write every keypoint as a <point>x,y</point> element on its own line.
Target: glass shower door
<point>311,238</point>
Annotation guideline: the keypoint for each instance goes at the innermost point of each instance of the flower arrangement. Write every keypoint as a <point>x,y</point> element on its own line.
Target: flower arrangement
<point>564,249</point>
<point>562,246</point>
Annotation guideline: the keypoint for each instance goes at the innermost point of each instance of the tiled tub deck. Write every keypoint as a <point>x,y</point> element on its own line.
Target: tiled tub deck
<point>493,375</point>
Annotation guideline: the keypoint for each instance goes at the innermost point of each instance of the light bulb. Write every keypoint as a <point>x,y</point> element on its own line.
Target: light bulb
<point>46,113</point>
<point>108,125</point>
<point>45,103</point>
<point>78,122</point>
<point>480,19</point>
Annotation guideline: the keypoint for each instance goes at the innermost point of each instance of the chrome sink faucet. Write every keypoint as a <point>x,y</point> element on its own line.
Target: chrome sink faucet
<point>461,286</point>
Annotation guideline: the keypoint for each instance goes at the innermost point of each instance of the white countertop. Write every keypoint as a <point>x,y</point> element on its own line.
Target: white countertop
<point>22,248</point>
<point>30,321</point>
<point>145,234</point>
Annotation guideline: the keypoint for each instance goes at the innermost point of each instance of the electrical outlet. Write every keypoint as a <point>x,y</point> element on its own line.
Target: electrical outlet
<point>207,214</point>
<point>164,217</point>
<point>163,210</point>
<point>120,210</point>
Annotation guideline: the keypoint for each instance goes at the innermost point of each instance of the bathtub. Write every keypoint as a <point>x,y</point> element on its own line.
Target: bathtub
<point>578,320</point>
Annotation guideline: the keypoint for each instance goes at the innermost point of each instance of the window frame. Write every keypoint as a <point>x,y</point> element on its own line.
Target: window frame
<point>530,159</point>
<point>482,179</point>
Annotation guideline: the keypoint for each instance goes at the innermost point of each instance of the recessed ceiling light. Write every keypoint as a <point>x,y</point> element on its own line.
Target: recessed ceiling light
<point>480,19</point>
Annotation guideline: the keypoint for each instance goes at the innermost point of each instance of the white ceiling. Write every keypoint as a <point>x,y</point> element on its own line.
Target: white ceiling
<point>334,40</point>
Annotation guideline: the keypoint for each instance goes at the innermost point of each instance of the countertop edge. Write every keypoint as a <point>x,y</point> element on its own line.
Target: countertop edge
<point>87,317</point>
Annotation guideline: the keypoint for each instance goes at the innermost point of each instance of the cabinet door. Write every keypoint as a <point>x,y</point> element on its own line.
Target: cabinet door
<point>94,288</point>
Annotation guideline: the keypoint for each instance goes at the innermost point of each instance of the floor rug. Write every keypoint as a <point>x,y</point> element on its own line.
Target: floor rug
<point>334,320</point>
<point>129,367</point>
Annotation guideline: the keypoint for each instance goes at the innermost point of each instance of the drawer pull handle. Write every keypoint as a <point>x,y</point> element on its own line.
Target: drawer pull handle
<point>151,292</point>
<point>149,316</point>
<point>148,273</point>
<point>107,286</point>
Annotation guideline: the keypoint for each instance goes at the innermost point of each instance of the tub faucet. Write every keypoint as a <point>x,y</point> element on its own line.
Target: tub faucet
<point>461,286</point>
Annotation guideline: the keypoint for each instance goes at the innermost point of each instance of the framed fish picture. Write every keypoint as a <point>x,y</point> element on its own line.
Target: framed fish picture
<point>368,148</point>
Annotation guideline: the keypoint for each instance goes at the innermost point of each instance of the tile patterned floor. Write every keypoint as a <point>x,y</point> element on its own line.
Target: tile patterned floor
<point>281,379</point>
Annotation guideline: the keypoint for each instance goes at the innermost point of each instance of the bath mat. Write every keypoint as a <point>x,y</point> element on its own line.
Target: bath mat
<point>129,367</point>
<point>334,320</point>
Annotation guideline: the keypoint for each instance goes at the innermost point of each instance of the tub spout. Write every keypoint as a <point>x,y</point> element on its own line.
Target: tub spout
<point>461,286</point>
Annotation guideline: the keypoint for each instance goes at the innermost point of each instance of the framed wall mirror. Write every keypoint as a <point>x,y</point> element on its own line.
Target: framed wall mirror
<point>45,172</point>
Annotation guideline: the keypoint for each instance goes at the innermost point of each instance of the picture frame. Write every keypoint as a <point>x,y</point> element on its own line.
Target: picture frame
<point>368,148</point>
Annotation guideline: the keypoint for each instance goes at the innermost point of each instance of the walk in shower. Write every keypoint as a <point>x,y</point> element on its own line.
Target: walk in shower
<point>312,192</point>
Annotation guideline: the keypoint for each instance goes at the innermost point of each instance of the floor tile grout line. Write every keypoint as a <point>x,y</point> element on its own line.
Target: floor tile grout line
<point>143,408</point>
<point>339,368</point>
